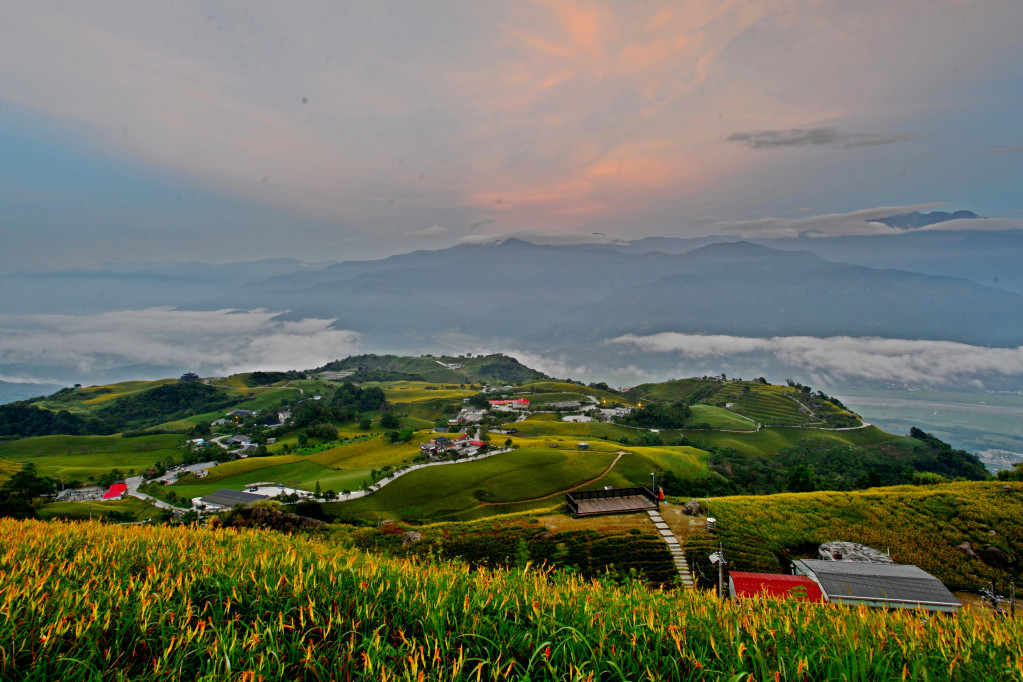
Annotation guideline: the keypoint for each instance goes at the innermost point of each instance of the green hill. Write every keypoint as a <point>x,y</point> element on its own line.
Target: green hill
<point>496,368</point>
<point>79,457</point>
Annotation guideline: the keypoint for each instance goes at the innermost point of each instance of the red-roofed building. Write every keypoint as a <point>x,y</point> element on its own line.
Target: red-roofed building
<point>755,585</point>
<point>521,402</point>
<point>116,491</point>
<point>477,443</point>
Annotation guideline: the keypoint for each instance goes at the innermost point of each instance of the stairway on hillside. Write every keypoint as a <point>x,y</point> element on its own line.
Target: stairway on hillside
<point>673,546</point>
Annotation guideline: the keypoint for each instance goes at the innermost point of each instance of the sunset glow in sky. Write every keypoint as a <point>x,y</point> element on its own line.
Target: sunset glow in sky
<point>322,130</point>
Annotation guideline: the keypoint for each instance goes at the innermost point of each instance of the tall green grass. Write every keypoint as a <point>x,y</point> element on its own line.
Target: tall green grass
<point>89,602</point>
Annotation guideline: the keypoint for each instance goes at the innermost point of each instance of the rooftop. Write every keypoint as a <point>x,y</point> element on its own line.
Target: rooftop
<point>758,584</point>
<point>229,498</point>
<point>848,580</point>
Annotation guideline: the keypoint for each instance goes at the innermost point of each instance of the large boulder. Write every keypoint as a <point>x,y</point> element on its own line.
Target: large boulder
<point>967,549</point>
<point>275,519</point>
<point>411,538</point>
<point>994,556</point>
<point>693,508</point>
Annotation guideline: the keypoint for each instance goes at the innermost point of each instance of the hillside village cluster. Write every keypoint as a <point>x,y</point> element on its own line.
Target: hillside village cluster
<point>454,441</point>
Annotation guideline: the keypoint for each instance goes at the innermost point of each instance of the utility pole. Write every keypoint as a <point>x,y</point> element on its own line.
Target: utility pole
<point>721,571</point>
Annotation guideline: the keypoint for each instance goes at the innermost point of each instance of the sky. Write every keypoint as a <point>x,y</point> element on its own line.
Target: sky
<point>222,131</point>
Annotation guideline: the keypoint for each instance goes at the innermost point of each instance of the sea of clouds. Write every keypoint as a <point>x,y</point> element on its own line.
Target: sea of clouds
<point>210,342</point>
<point>844,359</point>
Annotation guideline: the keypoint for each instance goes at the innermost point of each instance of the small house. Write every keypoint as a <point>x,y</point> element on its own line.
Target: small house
<point>116,492</point>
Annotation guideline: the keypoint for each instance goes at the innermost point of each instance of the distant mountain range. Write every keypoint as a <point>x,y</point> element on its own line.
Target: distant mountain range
<point>916,219</point>
<point>962,286</point>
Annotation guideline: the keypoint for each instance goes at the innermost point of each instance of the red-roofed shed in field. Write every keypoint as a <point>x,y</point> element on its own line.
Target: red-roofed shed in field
<point>116,491</point>
<point>753,585</point>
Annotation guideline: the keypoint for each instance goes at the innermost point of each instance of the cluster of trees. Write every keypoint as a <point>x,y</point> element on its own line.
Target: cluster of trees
<point>147,408</point>
<point>817,395</point>
<point>266,378</point>
<point>26,420</point>
<point>672,415</point>
<point>1013,474</point>
<point>939,457</point>
<point>821,466</point>
<point>347,404</point>
<point>165,403</point>
<point>18,494</point>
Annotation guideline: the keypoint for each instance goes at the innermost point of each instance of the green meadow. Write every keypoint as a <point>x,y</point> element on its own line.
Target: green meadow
<point>130,509</point>
<point>83,456</point>
<point>443,491</point>
<point>720,418</point>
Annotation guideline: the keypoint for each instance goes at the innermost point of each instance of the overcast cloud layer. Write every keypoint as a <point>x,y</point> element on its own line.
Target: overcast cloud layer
<point>841,359</point>
<point>335,130</point>
<point>216,342</point>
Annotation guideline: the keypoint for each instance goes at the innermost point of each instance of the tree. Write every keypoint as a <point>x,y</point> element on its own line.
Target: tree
<point>16,494</point>
<point>365,423</point>
<point>801,479</point>
<point>871,479</point>
<point>480,401</point>
<point>1013,474</point>
<point>388,420</point>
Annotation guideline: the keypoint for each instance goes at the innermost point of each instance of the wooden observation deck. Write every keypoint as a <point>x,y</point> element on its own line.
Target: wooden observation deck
<point>614,501</point>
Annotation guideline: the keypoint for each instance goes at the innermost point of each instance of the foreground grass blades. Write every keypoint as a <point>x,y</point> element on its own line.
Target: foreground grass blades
<point>86,601</point>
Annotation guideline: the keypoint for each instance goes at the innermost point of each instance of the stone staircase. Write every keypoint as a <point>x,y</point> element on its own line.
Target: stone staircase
<point>674,547</point>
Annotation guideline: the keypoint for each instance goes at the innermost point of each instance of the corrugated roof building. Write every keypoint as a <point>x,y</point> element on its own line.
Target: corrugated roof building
<point>226,499</point>
<point>878,585</point>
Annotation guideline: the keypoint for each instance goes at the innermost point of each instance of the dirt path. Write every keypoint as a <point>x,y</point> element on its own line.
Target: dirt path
<point>560,492</point>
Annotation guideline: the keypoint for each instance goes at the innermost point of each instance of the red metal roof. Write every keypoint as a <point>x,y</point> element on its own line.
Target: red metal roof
<point>776,585</point>
<point>115,491</point>
<point>476,442</point>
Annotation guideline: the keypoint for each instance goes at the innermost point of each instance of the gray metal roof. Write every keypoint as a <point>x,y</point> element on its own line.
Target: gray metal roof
<point>848,580</point>
<point>228,498</point>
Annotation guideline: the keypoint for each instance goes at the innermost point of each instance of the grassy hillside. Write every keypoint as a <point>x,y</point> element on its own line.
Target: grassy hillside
<point>919,525</point>
<point>764,403</point>
<point>337,468</point>
<point>444,491</point>
<point>573,392</point>
<point>719,418</point>
<point>499,369</point>
<point>83,456</point>
<point>126,510</point>
<point>8,469</point>
<point>158,603</point>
